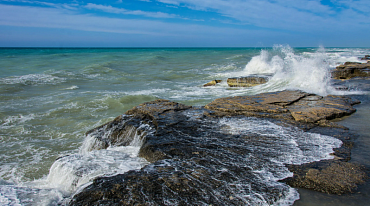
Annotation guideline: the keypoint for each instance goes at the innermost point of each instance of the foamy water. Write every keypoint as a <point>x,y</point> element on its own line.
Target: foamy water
<point>50,97</point>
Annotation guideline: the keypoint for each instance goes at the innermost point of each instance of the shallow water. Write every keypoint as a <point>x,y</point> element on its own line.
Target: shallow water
<point>50,97</point>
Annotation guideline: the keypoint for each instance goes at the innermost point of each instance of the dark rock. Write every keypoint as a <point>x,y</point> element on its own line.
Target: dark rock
<point>122,132</point>
<point>198,158</point>
<point>367,57</point>
<point>212,83</point>
<point>350,70</point>
<point>194,162</point>
<point>248,81</point>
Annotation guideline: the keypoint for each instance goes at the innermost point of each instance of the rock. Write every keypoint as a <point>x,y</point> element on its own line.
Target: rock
<point>248,81</point>
<point>350,70</point>
<point>289,105</point>
<point>212,83</point>
<point>332,177</point>
<point>122,132</point>
<point>198,159</point>
<point>194,162</point>
<point>367,57</point>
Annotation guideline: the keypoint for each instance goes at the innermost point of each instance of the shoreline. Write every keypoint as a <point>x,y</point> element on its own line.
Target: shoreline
<point>357,125</point>
<point>160,112</point>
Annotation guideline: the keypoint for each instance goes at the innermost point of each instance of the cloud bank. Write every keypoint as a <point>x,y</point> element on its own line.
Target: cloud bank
<point>223,23</point>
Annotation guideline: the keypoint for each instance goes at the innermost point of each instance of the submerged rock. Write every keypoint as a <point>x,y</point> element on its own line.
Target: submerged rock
<point>248,81</point>
<point>351,69</point>
<point>212,83</point>
<point>219,155</point>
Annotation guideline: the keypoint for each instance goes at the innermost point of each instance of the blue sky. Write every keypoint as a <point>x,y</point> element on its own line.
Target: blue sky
<point>185,23</point>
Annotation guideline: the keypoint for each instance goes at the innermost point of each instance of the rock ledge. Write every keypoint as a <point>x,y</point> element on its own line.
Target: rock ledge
<point>197,161</point>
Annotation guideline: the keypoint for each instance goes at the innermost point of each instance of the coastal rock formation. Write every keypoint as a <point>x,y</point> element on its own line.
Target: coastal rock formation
<point>367,57</point>
<point>333,177</point>
<point>289,105</point>
<point>351,69</point>
<point>209,156</point>
<point>212,83</point>
<point>248,81</point>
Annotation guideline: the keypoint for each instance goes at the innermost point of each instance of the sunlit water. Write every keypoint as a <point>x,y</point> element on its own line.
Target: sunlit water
<point>50,97</point>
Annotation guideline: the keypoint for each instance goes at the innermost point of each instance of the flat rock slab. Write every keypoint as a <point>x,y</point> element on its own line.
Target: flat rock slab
<point>333,177</point>
<point>289,105</point>
<point>249,81</point>
<point>351,70</point>
<point>208,156</point>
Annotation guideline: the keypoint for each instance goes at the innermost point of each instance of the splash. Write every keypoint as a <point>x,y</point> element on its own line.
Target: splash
<point>308,72</point>
<point>99,156</point>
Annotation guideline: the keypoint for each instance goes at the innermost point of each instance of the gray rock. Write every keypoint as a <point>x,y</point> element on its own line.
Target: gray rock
<point>351,70</point>
<point>248,81</point>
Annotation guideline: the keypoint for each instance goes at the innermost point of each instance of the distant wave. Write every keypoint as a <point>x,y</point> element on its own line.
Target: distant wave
<point>32,79</point>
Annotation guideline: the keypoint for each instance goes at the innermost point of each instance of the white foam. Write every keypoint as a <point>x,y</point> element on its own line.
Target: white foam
<point>297,147</point>
<point>32,79</point>
<point>71,172</point>
<point>18,195</point>
<point>91,143</point>
<point>292,196</point>
<point>72,87</point>
<point>8,196</point>
<point>307,72</point>
<point>261,64</point>
<point>11,121</point>
<point>284,145</point>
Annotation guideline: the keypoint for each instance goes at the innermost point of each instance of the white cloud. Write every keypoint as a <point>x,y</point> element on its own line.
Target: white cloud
<point>294,15</point>
<point>359,5</point>
<point>115,10</point>
<point>285,21</point>
<point>72,6</point>
<point>26,16</point>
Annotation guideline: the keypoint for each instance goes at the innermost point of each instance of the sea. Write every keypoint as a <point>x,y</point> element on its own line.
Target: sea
<point>50,97</point>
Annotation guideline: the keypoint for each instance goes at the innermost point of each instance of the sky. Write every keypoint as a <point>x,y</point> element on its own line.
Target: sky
<point>184,23</point>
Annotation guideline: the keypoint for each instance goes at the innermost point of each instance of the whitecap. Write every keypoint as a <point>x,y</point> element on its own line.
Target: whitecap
<point>32,79</point>
<point>72,87</point>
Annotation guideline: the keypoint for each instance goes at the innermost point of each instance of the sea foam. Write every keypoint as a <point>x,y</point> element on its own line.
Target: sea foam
<point>309,73</point>
<point>32,79</point>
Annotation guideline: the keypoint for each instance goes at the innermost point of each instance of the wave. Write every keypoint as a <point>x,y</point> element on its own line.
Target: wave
<point>97,158</point>
<point>308,71</point>
<point>32,79</point>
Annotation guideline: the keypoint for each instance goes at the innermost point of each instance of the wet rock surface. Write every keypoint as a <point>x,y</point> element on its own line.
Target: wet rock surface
<point>212,83</point>
<point>351,70</point>
<point>288,105</point>
<point>220,155</point>
<point>367,57</point>
<point>333,177</point>
<point>249,81</point>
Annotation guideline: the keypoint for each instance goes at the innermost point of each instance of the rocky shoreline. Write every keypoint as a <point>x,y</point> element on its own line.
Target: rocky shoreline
<point>194,160</point>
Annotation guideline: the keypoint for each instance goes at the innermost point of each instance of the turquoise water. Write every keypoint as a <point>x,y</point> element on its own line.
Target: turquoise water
<point>50,97</point>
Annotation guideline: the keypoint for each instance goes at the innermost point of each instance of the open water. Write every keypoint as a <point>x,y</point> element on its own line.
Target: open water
<point>50,97</point>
